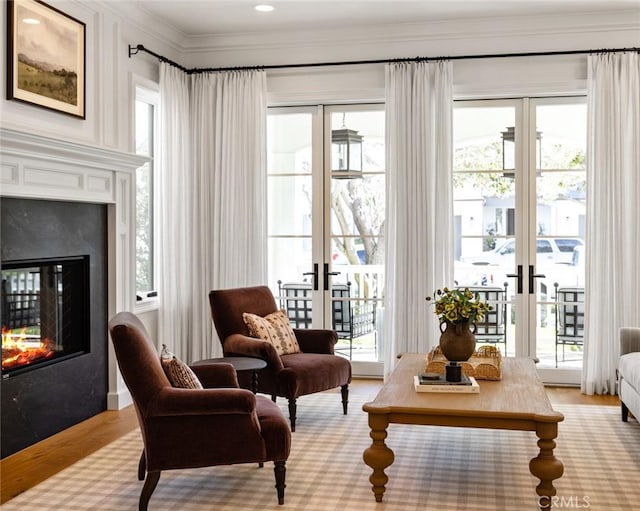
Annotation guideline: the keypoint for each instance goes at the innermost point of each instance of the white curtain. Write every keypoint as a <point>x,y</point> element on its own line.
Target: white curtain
<point>613,225</point>
<point>419,210</point>
<point>229,116</point>
<point>174,179</point>
<point>229,202</point>
<point>222,194</point>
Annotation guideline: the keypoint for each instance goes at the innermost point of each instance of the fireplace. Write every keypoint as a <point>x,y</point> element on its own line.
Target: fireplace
<point>54,316</point>
<point>61,199</point>
<point>44,311</point>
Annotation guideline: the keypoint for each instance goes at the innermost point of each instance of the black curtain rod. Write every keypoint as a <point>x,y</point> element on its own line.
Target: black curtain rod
<point>134,50</point>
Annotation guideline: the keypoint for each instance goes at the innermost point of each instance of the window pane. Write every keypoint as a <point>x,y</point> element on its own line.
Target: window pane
<point>478,138</point>
<point>144,117</point>
<point>357,220</point>
<point>288,144</point>
<point>561,220</point>
<point>289,258</point>
<point>563,135</point>
<point>356,224</point>
<point>484,195</point>
<point>289,205</point>
<point>144,114</point>
<point>144,232</point>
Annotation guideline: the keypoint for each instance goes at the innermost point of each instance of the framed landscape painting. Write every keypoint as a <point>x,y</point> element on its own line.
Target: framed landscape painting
<point>46,57</point>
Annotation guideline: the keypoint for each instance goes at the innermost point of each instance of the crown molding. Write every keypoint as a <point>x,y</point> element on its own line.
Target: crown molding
<point>480,28</point>
<point>184,48</point>
<point>272,47</point>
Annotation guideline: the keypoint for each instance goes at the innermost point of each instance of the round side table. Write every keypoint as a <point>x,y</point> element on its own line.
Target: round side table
<point>240,364</point>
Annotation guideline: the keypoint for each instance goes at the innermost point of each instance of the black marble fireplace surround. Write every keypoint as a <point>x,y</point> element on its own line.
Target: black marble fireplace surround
<point>45,400</point>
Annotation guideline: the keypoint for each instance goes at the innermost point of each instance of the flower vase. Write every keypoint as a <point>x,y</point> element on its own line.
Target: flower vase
<point>457,342</point>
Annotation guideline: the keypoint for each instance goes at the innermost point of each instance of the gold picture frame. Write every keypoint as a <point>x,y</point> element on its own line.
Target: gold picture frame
<point>46,52</point>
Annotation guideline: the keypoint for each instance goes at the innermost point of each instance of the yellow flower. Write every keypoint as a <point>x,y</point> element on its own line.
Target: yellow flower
<point>458,305</point>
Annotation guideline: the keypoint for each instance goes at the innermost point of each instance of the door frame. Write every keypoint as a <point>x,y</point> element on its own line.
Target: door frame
<point>321,238</point>
<point>526,303</point>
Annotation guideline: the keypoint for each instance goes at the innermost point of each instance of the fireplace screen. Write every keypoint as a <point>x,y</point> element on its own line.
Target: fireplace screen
<point>44,311</point>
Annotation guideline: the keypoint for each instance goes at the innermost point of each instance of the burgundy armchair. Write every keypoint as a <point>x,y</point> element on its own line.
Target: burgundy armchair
<point>221,424</point>
<point>315,369</point>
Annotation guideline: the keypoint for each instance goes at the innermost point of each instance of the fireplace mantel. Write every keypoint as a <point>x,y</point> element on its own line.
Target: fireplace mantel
<point>39,167</point>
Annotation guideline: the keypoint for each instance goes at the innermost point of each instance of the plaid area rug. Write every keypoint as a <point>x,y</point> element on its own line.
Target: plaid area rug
<point>435,468</point>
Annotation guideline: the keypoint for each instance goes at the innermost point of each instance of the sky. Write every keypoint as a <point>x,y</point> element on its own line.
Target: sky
<point>52,40</point>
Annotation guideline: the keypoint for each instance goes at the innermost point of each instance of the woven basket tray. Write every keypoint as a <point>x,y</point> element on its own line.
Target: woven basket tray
<point>484,364</point>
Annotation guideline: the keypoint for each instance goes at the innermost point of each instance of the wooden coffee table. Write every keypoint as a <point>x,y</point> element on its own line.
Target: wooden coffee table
<point>517,402</point>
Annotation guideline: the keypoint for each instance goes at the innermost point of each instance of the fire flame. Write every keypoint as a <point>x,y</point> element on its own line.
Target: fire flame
<point>19,348</point>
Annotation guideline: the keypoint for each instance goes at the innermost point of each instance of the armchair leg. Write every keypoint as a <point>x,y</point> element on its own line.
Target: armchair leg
<point>625,412</point>
<point>280,470</point>
<point>345,397</point>
<point>149,485</point>
<point>142,466</point>
<point>292,412</point>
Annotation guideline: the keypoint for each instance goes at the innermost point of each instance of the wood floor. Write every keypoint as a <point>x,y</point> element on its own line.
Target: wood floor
<point>33,465</point>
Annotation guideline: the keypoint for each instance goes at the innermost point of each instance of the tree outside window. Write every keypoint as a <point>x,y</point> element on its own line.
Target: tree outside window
<point>145,112</point>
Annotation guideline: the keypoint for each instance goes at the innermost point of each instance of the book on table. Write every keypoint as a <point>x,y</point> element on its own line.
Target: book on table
<point>429,383</point>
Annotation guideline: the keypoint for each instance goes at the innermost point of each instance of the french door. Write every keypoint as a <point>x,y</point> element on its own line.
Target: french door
<point>326,198</point>
<point>519,217</point>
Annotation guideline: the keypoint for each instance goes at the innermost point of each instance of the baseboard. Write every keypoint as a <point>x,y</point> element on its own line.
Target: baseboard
<point>119,400</point>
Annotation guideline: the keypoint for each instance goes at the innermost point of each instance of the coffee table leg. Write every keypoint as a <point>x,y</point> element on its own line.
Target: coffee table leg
<point>378,456</point>
<point>546,466</point>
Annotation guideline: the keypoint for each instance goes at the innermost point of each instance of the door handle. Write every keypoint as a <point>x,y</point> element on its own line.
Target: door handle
<point>326,276</point>
<point>314,275</point>
<point>519,277</point>
<point>532,276</point>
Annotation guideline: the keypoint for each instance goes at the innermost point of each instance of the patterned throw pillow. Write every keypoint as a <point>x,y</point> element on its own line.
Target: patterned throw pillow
<point>180,374</point>
<point>274,328</point>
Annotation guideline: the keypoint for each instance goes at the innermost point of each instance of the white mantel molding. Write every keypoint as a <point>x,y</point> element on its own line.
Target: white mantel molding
<point>38,167</point>
<point>47,168</point>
